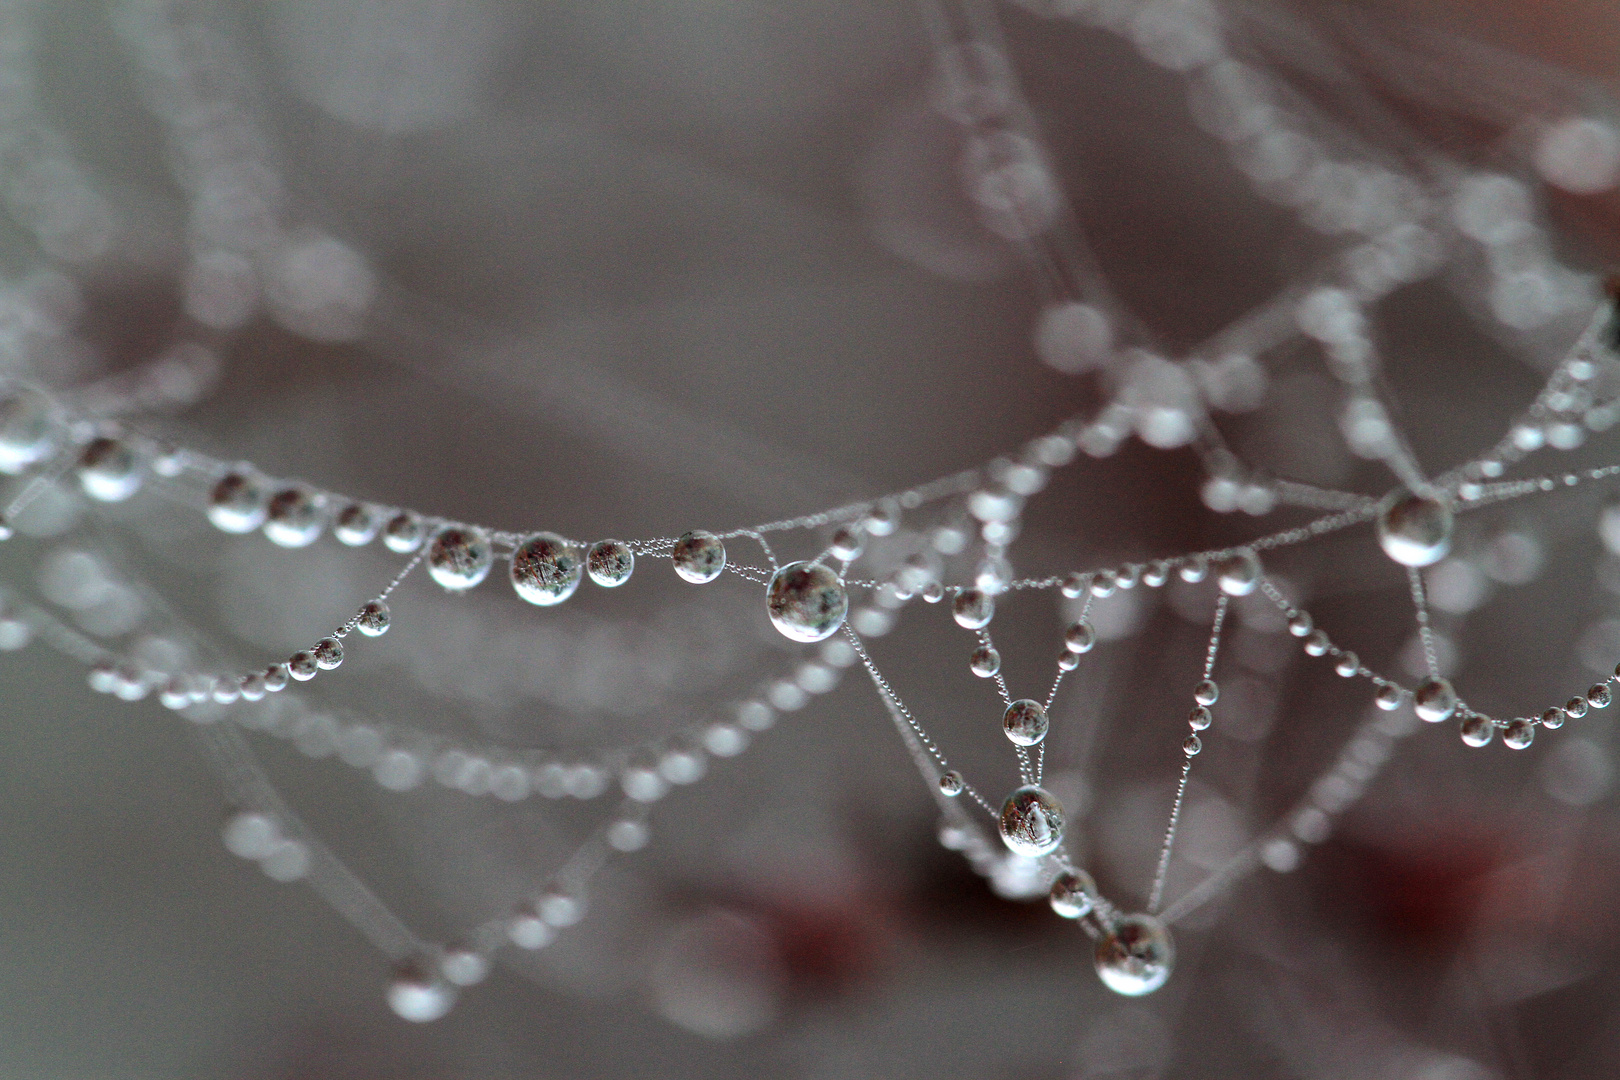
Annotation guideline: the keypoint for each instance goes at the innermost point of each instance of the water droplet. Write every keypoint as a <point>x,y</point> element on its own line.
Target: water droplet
<point>1518,734</point>
<point>1103,583</point>
<point>357,524</point>
<point>881,520</point>
<point>1414,530</point>
<point>109,470</point>
<point>1193,746</point>
<point>252,687</point>
<point>984,662</point>
<point>973,609</point>
<point>373,619</point>
<point>546,569</point>
<point>951,783</point>
<point>1194,570</point>
<point>1200,718</point>
<point>1031,822</point>
<point>1136,956</point>
<point>1599,696</point>
<point>846,544</point>
<point>463,966</point>
<point>417,993</point>
<point>609,563</point>
<point>276,678</point>
<point>460,556</point>
<point>1317,643</point>
<point>1434,700</point>
<point>1299,624</point>
<point>1155,574</point>
<point>1073,894</point>
<point>293,517</point>
<point>301,666</point>
<point>403,533</point>
<point>1477,730</point>
<point>1079,637</point>
<point>1025,722</point>
<point>806,601</point>
<point>1553,718</point>
<point>1388,697</point>
<point>1576,707</point>
<point>28,424</point>
<point>328,653</point>
<point>1068,661</point>
<point>237,502</point>
<point>1348,665</point>
<point>249,834</point>
<point>1238,573</point>
<point>699,557</point>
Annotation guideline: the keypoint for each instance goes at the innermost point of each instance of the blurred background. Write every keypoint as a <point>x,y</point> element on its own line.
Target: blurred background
<point>630,268</point>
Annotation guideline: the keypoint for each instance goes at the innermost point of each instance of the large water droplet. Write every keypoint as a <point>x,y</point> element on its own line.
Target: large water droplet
<point>807,601</point>
<point>1031,822</point>
<point>1414,530</point>
<point>699,557</point>
<point>546,569</point>
<point>460,556</point>
<point>1136,956</point>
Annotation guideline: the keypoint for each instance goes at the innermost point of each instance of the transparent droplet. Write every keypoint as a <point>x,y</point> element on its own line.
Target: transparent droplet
<point>403,532</point>
<point>1194,570</point>
<point>1136,956</point>
<point>1200,717</point>
<point>1031,822</point>
<point>1518,734</point>
<point>985,661</point>
<point>1103,583</point>
<point>806,601</point>
<point>1155,574</point>
<point>356,524</point>
<point>846,544</point>
<point>301,666</point>
<point>328,653</point>
<point>252,687</point>
<point>1238,573</point>
<point>237,502</point>
<point>1068,661</point>
<point>249,834</point>
<point>1414,530</point>
<point>1388,697</point>
<point>1317,643</point>
<point>527,930</point>
<point>973,609</point>
<point>881,520</point>
<point>1300,624</point>
<point>1075,585</point>
<point>1073,894</point>
<point>1025,722</point>
<point>1599,696</point>
<point>1079,637</point>
<point>373,619</point>
<point>294,516</point>
<point>28,425</point>
<point>1348,665</point>
<point>1478,731</point>
<point>109,470</point>
<point>699,557</point>
<point>1553,718</point>
<point>417,993</point>
<point>1576,707</point>
<point>609,563</point>
<point>464,966</point>
<point>1192,746</point>
<point>546,569</point>
<point>276,678</point>
<point>628,834</point>
<point>1434,700</point>
<point>460,556</point>
<point>951,783</point>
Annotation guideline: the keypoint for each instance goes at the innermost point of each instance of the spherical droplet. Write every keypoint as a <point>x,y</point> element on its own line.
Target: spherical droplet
<point>1073,894</point>
<point>237,502</point>
<point>1200,717</point>
<point>1477,730</point>
<point>356,524</point>
<point>1031,822</point>
<point>846,544</point>
<point>109,470</point>
<point>1576,707</point>
<point>973,609</point>
<point>609,563</point>
<point>1068,661</point>
<point>1299,624</point>
<point>1079,637</point>
<point>1599,696</point>
<point>1025,722</point>
<point>403,532</point>
<point>1135,957</point>
<point>1207,692</point>
<point>951,783</point>
<point>1317,643</point>
<point>1553,718</point>
<point>1155,574</point>
<point>293,517</point>
<point>1075,585</point>
<point>1194,570</point>
<point>546,569</point>
<point>276,678</point>
<point>464,966</point>
<point>460,556</point>
<point>1192,746</point>
<point>301,665</point>
<point>28,423</point>
<point>418,993</point>
<point>328,653</point>
<point>985,661</point>
<point>1348,664</point>
<point>1103,583</point>
<point>806,601</point>
<point>881,520</point>
<point>252,687</point>
<point>1414,530</point>
<point>250,834</point>
<point>1518,734</point>
<point>1434,700</point>
<point>1238,573</point>
<point>373,619</point>
<point>699,557</point>
<point>1388,697</point>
